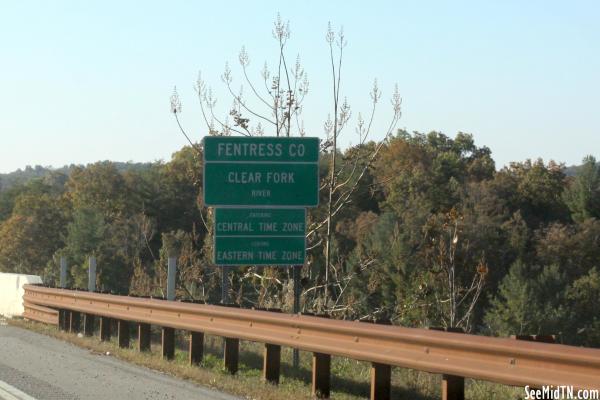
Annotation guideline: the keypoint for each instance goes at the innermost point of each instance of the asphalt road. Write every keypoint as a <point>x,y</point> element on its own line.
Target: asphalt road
<point>37,367</point>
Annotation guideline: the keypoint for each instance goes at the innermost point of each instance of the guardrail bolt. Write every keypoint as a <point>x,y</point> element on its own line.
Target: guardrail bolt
<point>381,381</point>
<point>196,350</point>
<point>143,337</point>
<point>123,333</point>
<point>231,354</point>
<point>105,332</point>
<point>321,375</point>
<point>88,325</point>
<point>272,363</point>
<point>168,343</point>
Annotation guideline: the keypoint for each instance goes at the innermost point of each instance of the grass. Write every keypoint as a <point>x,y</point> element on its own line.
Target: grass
<point>349,378</point>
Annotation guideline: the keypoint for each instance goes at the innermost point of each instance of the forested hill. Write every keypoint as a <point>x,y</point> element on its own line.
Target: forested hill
<point>21,176</point>
<point>572,170</point>
<point>425,231</point>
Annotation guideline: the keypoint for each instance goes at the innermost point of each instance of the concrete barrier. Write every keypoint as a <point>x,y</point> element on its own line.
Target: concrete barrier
<point>11,292</point>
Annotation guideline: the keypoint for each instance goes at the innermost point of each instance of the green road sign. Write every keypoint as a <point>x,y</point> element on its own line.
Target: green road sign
<point>261,171</point>
<point>259,250</point>
<point>261,184</point>
<point>260,222</point>
<point>259,236</point>
<point>263,149</point>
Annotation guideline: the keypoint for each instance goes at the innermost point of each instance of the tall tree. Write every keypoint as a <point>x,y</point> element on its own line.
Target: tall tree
<point>583,194</point>
<point>33,232</point>
<point>100,186</point>
<point>531,301</point>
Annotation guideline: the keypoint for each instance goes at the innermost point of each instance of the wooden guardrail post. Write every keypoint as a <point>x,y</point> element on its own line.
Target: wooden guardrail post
<point>231,354</point>
<point>143,337</point>
<point>105,331</point>
<point>74,321</point>
<point>381,374</point>
<point>272,363</point>
<point>196,349</point>
<point>453,387</point>
<point>168,343</point>
<point>381,381</point>
<point>88,322</point>
<point>321,375</point>
<point>536,338</point>
<point>123,333</point>
<point>88,325</point>
<point>62,319</point>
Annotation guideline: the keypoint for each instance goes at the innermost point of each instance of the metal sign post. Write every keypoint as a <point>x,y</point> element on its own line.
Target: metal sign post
<point>296,269</point>
<point>63,272</point>
<point>224,285</point>
<point>92,275</point>
<point>171,277</point>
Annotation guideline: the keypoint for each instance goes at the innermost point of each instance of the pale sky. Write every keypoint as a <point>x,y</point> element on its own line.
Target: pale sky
<point>87,81</point>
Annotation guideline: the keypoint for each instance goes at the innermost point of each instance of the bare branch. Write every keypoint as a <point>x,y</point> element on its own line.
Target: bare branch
<point>244,62</point>
<point>201,91</point>
<point>176,109</point>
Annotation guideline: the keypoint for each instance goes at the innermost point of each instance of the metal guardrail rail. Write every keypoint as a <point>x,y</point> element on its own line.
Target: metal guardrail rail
<point>500,360</point>
<point>40,313</point>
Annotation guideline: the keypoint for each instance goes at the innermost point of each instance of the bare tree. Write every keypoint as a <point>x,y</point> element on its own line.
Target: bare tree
<point>457,286</point>
<point>276,108</point>
<point>339,192</point>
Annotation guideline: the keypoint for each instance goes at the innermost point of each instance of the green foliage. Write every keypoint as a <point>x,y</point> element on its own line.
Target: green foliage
<point>583,297</point>
<point>575,247</point>
<point>531,300</point>
<point>543,300</point>
<point>34,230</point>
<point>99,186</point>
<point>583,195</point>
<point>430,235</point>
<point>432,168</point>
<point>7,201</point>
<point>533,189</point>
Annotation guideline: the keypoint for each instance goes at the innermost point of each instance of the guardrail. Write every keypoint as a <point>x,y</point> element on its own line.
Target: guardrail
<point>40,313</point>
<point>455,355</point>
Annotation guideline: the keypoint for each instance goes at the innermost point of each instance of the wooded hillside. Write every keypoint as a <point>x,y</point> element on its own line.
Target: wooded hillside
<point>433,235</point>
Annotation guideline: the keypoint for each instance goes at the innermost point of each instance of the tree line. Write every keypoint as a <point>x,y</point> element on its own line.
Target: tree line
<point>431,234</point>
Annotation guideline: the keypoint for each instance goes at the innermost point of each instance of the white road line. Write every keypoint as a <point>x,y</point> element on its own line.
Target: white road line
<point>8,392</point>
